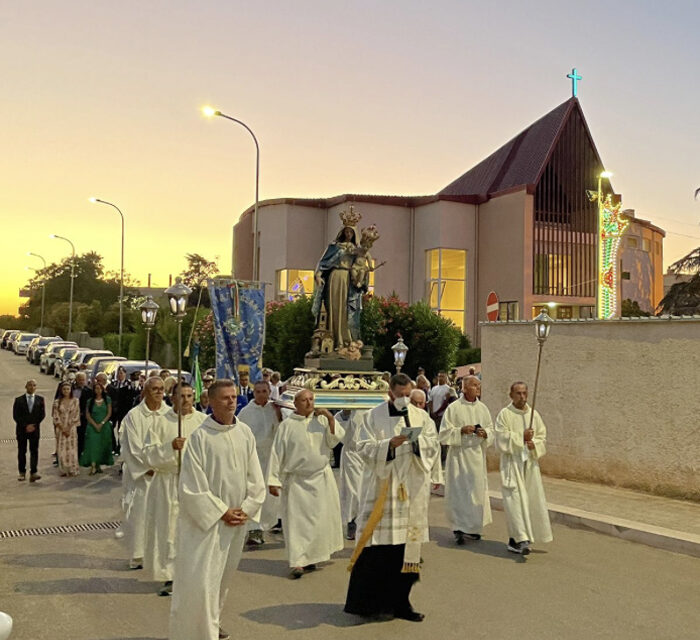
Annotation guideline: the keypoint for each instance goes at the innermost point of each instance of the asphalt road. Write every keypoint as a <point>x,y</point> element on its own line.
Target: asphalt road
<point>76,586</point>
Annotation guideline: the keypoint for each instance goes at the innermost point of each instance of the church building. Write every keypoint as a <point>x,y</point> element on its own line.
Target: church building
<point>521,224</point>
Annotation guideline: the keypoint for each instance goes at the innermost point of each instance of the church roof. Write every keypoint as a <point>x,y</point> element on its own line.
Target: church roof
<point>520,161</point>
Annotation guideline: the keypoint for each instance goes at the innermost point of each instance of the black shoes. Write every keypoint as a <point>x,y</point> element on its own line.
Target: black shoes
<point>460,537</point>
<point>522,548</point>
<point>277,528</point>
<point>351,530</point>
<point>410,614</point>
<point>167,589</point>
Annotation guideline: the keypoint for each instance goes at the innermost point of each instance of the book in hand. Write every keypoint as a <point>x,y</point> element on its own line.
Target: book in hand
<point>411,433</point>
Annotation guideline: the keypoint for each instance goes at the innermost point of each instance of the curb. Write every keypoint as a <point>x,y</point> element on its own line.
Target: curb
<point>630,530</point>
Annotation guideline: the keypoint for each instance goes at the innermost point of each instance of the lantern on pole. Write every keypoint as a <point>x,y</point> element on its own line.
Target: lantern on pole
<point>178,295</point>
<point>400,350</point>
<point>149,312</point>
<point>543,325</point>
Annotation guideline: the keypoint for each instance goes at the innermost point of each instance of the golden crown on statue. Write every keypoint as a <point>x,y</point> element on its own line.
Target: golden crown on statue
<point>350,218</point>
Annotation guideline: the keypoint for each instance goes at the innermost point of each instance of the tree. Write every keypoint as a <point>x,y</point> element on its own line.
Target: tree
<point>631,309</point>
<point>91,285</point>
<point>199,269</point>
<point>683,298</point>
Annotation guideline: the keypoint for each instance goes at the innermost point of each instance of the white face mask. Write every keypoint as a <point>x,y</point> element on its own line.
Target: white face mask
<point>402,402</point>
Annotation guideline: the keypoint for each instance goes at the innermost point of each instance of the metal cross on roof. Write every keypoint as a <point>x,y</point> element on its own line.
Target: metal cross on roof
<point>574,81</point>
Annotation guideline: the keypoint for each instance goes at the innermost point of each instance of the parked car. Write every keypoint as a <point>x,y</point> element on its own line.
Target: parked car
<point>38,346</point>
<point>130,366</point>
<point>22,342</point>
<point>9,341</point>
<point>186,375</point>
<point>47,359</point>
<point>96,364</point>
<point>83,355</point>
<point>6,336</point>
<point>59,356</point>
<point>63,361</point>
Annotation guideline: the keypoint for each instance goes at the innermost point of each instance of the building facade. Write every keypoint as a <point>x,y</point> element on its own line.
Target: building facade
<point>519,223</point>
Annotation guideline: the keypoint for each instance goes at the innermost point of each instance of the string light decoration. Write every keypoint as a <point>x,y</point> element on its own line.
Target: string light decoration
<point>612,226</point>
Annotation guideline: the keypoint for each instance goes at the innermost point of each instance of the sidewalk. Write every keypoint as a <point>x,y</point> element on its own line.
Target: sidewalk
<point>664,523</point>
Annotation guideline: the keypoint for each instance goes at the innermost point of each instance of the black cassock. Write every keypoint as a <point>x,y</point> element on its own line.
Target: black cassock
<point>377,585</point>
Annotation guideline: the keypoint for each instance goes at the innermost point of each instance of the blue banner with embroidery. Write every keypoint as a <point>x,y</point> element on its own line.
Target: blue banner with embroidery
<point>239,326</point>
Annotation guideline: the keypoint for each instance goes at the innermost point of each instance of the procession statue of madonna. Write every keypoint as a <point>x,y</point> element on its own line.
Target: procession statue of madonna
<point>342,277</point>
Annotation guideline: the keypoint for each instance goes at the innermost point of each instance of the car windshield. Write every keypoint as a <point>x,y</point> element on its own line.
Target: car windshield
<point>27,338</point>
<point>68,353</point>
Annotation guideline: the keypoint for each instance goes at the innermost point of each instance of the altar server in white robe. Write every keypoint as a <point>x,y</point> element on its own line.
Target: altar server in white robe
<point>467,430</point>
<point>221,487</point>
<point>521,448</point>
<point>351,468</point>
<point>161,453</point>
<point>136,472</point>
<point>420,400</point>
<point>300,469</point>
<point>393,520</point>
<point>263,417</point>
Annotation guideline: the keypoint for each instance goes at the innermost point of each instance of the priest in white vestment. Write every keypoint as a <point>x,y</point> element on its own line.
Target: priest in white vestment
<point>393,520</point>
<point>419,399</point>
<point>160,451</point>
<point>351,468</point>
<point>136,472</point>
<point>221,487</point>
<point>467,430</point>
<point>520,447</point>
<point>263,417</point>
<point>299,469</point>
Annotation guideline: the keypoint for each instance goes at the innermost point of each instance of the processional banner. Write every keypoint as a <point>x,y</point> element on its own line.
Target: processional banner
<point>239,326</point>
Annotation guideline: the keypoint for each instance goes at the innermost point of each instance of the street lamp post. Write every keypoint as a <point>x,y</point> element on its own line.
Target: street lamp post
<point>72,278</point>
<point>177,300</point>
<point>121,271</point>
<point>211,112</point>
<point>149,311</point>
<point>400,350</point>
<point>43,287</point>
<point>543,325</point>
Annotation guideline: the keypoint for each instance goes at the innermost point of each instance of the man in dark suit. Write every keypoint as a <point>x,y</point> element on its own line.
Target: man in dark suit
<point>28,411</point>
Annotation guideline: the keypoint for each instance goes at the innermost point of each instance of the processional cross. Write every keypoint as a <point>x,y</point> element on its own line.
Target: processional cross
<point>574,77</point>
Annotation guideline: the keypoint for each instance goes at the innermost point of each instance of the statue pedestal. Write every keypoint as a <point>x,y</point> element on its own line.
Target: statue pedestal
<point>332,362</point>
<point>336,388</point>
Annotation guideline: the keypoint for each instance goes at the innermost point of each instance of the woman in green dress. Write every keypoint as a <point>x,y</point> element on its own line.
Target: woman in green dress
<point>98,435</point>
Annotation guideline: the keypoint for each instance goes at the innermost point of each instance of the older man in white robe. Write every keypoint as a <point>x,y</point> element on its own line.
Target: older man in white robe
<point>221,487</point>
<point>160,451</point>
<point>136,472</point>
<point>263,417</point>
<point>521,447</point>
<point>351,468</point>
<point>300,469</point>
<point>467,430</point>
<point>398,443</point>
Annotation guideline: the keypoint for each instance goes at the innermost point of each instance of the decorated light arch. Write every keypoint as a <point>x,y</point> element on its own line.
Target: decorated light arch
<point>612,224</point>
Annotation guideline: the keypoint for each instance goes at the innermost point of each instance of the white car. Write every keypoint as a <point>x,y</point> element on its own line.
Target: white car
<point>22,343</point>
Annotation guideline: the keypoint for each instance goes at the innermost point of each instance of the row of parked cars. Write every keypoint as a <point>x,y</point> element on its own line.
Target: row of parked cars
<point>56,356</point>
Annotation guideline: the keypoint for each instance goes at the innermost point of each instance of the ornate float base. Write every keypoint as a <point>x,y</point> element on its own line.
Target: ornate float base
<point>336,389</point>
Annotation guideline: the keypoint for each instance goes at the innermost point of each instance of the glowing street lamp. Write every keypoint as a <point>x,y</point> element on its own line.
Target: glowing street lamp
<point>543,325</point>
<point>149,311</point>
<point>121,272</point>
<point>400,350</point>
<point>178,295</point>
<point>72,278</point>
<point>210,112</point>
<point>43,286</point>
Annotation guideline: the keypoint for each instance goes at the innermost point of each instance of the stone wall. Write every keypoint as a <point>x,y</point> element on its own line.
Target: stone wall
<point>620,398</point>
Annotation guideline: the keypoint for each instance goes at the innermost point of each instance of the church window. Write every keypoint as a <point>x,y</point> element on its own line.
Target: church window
<point>446,283</point>
<point>632,242</point>
<point>646,244</point>
<point>293,283</point>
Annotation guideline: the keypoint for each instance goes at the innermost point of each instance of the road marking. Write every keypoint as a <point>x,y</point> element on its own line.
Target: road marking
<point>64,528</point>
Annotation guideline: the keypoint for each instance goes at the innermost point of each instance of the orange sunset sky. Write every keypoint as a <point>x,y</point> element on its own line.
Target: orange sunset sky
<point>393,97</point>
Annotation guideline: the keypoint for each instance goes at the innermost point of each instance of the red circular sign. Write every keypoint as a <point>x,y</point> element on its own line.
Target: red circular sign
<point>492,307</point>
